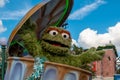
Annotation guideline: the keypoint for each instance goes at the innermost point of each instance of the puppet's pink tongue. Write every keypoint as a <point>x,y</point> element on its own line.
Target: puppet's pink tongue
<point>56,44</point>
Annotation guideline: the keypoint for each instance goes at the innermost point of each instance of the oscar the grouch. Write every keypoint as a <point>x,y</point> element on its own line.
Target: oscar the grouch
<point>55,45</point>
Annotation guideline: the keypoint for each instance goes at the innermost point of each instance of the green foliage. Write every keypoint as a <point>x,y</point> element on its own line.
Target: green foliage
<point>67,59</point>
<point>91,55</point>
<point>118,71</point>
<point>28,37</point>
<point>55,44</point>
<point>108,47</point>
<point>56,53</point>
<point>77,50</point>
<point>57,38</point>
<point>88,56</point>
<point>27,26</point>
<point>54,50</point>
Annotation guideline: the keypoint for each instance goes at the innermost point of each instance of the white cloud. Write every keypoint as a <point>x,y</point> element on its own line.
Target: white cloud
<point>90,38</point>
<point>84,11</point>
<point>2,28</point>
<point>3,41</point>
<point>3,2</point>
<point>74,42</point>
<point>13,15</point>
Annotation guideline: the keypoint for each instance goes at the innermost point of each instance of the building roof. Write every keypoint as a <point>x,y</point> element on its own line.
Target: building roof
<point>108,46</point>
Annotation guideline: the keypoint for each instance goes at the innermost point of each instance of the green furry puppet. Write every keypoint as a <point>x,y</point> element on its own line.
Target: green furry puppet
<point>55,45</point>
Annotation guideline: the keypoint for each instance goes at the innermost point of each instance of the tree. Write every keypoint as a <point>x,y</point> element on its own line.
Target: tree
<point>77,50</point>
<point>88,56</point>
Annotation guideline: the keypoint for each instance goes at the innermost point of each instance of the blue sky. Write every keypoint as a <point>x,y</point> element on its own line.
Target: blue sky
<point>96,14</point>
<point>91,22</point>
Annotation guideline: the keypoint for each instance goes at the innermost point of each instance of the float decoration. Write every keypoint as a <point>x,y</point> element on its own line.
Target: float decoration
<point>38,69</point>
<point>39,34</point>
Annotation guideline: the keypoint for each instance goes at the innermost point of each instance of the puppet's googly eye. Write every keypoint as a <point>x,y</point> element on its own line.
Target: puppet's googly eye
<point>65,35</point>
<point>53,32</point>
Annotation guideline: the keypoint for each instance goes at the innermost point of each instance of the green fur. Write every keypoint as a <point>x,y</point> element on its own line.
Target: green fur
<point>57,54</point>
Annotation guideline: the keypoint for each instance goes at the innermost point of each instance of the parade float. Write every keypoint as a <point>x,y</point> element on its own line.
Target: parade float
<point>39,47</point>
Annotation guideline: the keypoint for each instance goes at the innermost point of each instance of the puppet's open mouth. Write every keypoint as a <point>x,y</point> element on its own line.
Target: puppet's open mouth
<point>56,43</point>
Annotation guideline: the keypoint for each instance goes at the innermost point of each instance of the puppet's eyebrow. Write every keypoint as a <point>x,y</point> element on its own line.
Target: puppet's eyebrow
<point>49,29</point>
<point>60,31</point>
<point>63,31</point>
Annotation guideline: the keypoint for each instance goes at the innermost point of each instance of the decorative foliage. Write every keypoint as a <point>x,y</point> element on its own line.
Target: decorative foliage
<point>31,43</point>
<point>38,69</point>
<point>17,49</point>
<point>91,55</point>
<point>56,41</point>
<point>28,37</point>
<point>108,47</point>
<point>55,46</point>
<point>76,50</point>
